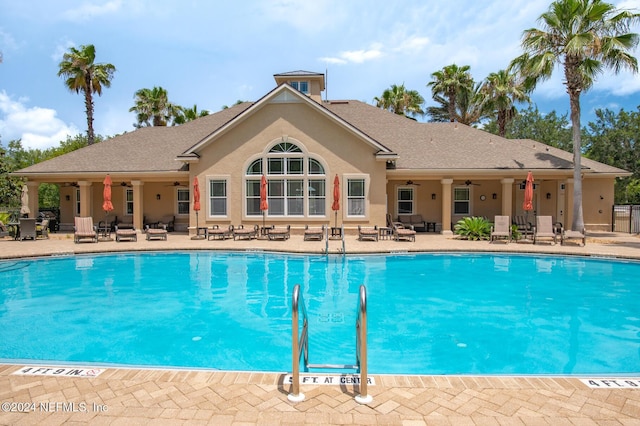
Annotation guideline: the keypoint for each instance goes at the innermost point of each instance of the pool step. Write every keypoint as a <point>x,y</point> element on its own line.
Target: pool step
<point>333,366</point>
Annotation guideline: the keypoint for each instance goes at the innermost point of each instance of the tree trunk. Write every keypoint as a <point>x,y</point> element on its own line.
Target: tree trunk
<point>577,223</point>
<point>88,104</point>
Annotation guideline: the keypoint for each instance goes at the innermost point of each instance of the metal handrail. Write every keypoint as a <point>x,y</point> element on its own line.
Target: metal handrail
<point>342,235</point>
<point>361,346</point>
<point>300,344</point>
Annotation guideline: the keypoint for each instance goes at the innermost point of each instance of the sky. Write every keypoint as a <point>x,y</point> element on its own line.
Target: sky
<point>213,53</point>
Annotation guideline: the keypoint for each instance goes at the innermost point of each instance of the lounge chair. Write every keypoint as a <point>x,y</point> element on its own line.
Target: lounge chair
<point>240,232</point>
<point>574,235</point>
<point>524,227</point>
<point>217,233</point>
<point>126,232</point>
<point>158,233</point>
<point>42,229</point>
<point>501,229</point>
<point>413,221</point>
<point>279,232</point>
<point>27,229</point>
<point>368,233</point>
<point>314,232</point>
<point>402,233</point>
<point>544,229</point>
<point>84,229</point>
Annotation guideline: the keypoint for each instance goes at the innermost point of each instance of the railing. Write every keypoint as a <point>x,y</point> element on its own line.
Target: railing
<point>342,236</point>
<point>361,346</point>
<point>625,218</point>
<point>300,346</point>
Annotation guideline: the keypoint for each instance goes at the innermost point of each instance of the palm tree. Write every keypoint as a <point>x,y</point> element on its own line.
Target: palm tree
<point>190,114</point>
<point>448,82</point>
<point>470,108</point>
<point>84,75</point>
<point>401,101</point>
<point>584,36</point>
<point>501,91</point>
<point>152,108</point>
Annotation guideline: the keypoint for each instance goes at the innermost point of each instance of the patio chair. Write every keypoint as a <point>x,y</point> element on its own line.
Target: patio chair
<point>42,229</point>
<point>126,232</point>
<point>544,229</point>
<point>279,232</point>
<point>84,229</point>
<point>157,233</point>
<point>501,229</point>
<point>314,232</point>
<point>524,227</point>
<point>368,233</point>
<point>27,229</point>
<point>567,235</point>
<point>402,233</point>
<point>241,232</point>
<point>217,233</point>
<point>4,231</point>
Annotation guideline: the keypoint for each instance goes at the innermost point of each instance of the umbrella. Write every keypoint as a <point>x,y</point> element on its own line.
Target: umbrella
<point>527,204</point>
<point>24,198</point>
<point>107,205</point>
<point>336,198</point>
<point>196,202</point>
<point>264,205</point>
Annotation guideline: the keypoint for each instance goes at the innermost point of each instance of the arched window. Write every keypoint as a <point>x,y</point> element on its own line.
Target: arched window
<point>296,183</point>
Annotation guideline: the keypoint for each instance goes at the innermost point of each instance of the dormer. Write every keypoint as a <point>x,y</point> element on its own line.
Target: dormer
<point>307,82</point>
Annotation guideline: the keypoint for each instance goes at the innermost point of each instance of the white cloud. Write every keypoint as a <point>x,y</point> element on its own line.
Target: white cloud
<point>88,10</point>
<point>356,56</point>
<point>37,127</point>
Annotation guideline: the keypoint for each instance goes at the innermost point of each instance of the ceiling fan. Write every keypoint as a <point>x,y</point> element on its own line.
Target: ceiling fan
<point>468,182</point>
<point>410,182</point>
<point>125,184</point>
<point>176,183</point>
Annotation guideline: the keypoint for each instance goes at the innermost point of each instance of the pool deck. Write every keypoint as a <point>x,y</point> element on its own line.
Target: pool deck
<point>121,396</point>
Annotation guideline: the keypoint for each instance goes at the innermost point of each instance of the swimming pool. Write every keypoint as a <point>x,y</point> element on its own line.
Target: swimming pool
<point>427,313</point>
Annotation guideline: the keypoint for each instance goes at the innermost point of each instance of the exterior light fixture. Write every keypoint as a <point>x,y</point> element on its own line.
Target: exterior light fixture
<point>433,196</point>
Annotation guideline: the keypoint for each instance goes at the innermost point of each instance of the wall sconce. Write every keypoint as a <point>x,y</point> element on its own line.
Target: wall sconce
<point>433,196</point>
<point>67,197</point>
<point>548,195</point>
<point>157,196</point>
<point>601,197</point>
<point>494,196</point>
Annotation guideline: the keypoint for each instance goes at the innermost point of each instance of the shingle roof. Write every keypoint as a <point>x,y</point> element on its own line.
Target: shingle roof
<point>420,146</point>
<point>451,146</point>
<point>149,149</point>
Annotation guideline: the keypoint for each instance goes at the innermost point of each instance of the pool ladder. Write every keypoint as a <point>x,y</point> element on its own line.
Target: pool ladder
<point>300,346</point>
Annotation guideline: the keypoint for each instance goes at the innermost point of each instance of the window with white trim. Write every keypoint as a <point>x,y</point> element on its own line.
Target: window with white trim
<point>356,197</point>
<point>182,197</point>
<point>302,86</point>
<point>218,197</point>
<point>461,201</point>
<point>296,183</point>
<point>77,201</point>
<point>405,200</point>
<point>128,202</point>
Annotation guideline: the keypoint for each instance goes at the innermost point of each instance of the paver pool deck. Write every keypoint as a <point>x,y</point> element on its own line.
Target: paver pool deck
<point>122,396</point>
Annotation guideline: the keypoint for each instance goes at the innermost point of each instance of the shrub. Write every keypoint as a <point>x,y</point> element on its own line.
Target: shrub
<point>473,228</point>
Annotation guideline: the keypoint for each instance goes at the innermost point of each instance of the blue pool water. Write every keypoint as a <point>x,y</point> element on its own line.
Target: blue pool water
<point>428,313</point>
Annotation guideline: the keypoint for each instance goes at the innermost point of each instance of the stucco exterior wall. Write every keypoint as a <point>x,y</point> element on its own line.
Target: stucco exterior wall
<point>340,151</point>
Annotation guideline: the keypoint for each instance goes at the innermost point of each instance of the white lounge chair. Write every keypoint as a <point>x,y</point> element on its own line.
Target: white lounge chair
<point>501,229</point>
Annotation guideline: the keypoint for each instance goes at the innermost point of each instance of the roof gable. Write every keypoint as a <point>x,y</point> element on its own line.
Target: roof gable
<point>282,94</point>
